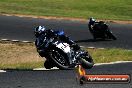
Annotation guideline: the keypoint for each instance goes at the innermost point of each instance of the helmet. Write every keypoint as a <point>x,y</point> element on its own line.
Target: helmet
<point>92,20</point>
<point>39,30</point>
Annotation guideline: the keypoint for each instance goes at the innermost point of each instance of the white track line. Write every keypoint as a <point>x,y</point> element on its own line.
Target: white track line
<point>4,39</point>
<point>2,71</point>
<point>16,41</point>
<point>40,69</point>
<point>117,62</point>
<point>26,41</point>
<point>91,47</point>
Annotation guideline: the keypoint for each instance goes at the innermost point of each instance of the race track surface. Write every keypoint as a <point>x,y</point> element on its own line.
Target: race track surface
<point>19,28</point>
<point>62,78</point>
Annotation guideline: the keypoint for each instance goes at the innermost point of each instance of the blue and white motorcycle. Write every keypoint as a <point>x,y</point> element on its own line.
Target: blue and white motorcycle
<point>64,56</point>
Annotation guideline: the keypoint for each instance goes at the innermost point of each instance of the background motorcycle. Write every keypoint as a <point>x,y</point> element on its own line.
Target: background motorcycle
<point>101,30</point>
<point>64,56</point>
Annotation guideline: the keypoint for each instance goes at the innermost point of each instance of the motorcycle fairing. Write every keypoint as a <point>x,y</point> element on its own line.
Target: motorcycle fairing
<point>63,46</point>
<point>60,32</point>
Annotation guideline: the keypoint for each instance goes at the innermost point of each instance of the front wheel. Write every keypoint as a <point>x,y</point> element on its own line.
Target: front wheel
<point>87,62</point>
<point>113,37</point>
<point>109,33</point>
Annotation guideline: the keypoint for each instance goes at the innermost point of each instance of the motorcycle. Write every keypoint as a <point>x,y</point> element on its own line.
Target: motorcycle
<point>64,56</point>
<point>100,30</point>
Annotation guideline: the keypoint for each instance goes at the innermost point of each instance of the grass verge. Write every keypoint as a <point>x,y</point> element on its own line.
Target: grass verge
<point>19,56</point>
<point>24,56</point>
<point>110,9</point>
<point>110,55</point>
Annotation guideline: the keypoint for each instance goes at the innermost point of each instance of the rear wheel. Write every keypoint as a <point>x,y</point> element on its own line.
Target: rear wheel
<point>60,59</point>
<point>48,64</point>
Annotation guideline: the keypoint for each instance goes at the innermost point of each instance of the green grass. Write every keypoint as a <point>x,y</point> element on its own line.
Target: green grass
<point>102,9</point>
<point>24,56</point>
<point>110,55</point>
<point>22,66</point>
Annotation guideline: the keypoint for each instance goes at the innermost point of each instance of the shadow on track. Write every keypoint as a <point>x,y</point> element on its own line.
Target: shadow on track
<point>91,40</point>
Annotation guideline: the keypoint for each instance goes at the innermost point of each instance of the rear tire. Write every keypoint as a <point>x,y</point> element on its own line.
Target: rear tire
<point>60,59</point>
<point>48,64</point>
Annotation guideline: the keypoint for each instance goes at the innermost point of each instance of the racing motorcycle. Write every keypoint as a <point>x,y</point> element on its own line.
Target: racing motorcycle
<point>64,56</point>
<point>100,30</point>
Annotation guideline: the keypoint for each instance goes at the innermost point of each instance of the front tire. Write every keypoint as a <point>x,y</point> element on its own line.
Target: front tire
<point>113,37</point>
<point>109,33</point>
<point>87,62</point>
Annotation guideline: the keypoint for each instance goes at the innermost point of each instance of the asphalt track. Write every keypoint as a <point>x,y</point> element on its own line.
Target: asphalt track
<point>21,28</point>
<point>62,78</point>
<point>16,28</point>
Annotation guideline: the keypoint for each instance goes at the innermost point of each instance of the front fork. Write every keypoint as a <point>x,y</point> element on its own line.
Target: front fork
<point>75,57</point>
<point>72,59</point>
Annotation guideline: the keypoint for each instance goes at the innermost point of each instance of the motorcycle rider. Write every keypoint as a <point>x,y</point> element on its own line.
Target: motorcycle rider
<point>96,26</point>
<point>41,42</point>
<point>40,33</point>
<point>91,24</point>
